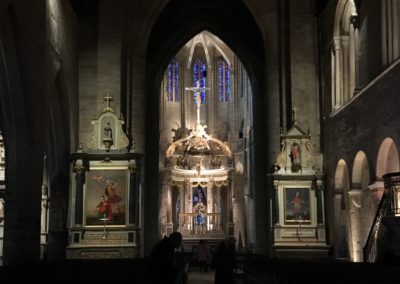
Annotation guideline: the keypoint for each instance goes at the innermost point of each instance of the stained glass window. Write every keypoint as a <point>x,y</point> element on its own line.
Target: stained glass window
<point>224,81</point>
<point>200,74</point>
<point>173,81</point>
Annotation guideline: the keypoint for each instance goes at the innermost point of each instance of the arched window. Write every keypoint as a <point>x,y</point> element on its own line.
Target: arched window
<point>390,30</point>
<point>224,81</point>
<point>200,74</point>
<point>173,81</point>
<point>344,53</point>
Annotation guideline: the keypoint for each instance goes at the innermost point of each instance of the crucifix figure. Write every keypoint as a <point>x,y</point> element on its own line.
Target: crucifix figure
<point>108,99</point>
<point>197,90</point>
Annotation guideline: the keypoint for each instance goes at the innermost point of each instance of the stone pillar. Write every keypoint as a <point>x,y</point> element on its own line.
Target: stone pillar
<point>396,22</point>
<point>189,204</point>
<point>353,73</point>
<point>229,195</point>
<point>210,203</point>
<point>354,196</point>
<point>218,207</point>
<point>182,206</point>
<point>345,69</point>
<point>338,82</point>
<point>23,204</point>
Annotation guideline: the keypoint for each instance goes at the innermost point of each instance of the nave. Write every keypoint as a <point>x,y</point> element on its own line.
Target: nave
<point>256,270</point>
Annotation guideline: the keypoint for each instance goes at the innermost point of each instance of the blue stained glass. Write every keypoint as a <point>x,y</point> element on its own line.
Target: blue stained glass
<point>170,80</point>
<point>199,70</point>
<point>176,81</point>
<point>227,83</point>
<point>173,81</point>
<point>203,83</point>
<point>221,81</point>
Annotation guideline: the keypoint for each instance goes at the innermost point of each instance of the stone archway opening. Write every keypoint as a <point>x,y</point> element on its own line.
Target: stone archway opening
<point>205,119</point>
<point>174,27</point>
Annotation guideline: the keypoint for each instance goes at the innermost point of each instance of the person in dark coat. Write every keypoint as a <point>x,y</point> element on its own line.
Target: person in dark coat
<point>162,267</point>
<point>224,264</point>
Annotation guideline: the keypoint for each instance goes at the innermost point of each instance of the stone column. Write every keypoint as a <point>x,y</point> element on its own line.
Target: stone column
<point>396,22</point>
<point>182,206</point>
<point>229,195</point>
<point>354,198</point>
<point>210,202</point>
<point>23,204</point>
<point>338,81</point>
<point>345,70</point>
<point>218,207</point>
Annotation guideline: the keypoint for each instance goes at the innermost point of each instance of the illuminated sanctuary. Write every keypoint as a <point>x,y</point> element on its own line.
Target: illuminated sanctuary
<point>271,125</point>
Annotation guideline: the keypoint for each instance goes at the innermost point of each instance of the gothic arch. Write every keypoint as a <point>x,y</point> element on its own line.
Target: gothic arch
<point>344,53</point>
<point>177,24</point>
<point>341,187</point>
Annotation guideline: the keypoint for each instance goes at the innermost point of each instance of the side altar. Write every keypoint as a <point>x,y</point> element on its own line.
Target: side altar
<point>105,194</point>
<point>299,229</point>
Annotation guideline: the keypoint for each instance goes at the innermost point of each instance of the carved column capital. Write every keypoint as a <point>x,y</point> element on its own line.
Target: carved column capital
<point>78,169</point>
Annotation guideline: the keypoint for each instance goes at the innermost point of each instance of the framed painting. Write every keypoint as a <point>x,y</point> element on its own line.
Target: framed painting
<point>106,197</point>
<point>297,204</point>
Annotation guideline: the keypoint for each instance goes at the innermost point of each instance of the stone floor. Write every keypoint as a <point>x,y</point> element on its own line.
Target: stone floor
<point>196,277</point>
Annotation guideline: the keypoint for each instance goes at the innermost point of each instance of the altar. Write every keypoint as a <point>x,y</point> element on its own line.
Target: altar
<point>105,197</point>
<point>198,190</point>
<point>298,208</point>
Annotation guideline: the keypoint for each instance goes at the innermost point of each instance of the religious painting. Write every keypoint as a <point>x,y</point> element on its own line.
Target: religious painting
<point>297,205</point>
<point>106,196</point>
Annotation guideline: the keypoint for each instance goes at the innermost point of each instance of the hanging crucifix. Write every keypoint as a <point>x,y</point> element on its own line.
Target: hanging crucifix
<point>197,91</point>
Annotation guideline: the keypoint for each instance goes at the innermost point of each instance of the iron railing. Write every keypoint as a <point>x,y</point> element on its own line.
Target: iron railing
<point>375,238</point>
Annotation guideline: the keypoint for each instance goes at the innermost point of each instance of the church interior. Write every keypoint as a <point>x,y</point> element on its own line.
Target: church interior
<point>269,125</point>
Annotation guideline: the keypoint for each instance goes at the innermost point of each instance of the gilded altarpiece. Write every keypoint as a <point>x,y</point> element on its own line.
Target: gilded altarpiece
<point>298,213</point>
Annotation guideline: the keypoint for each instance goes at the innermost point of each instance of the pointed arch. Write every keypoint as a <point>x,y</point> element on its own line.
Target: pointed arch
<point>177,24</point>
